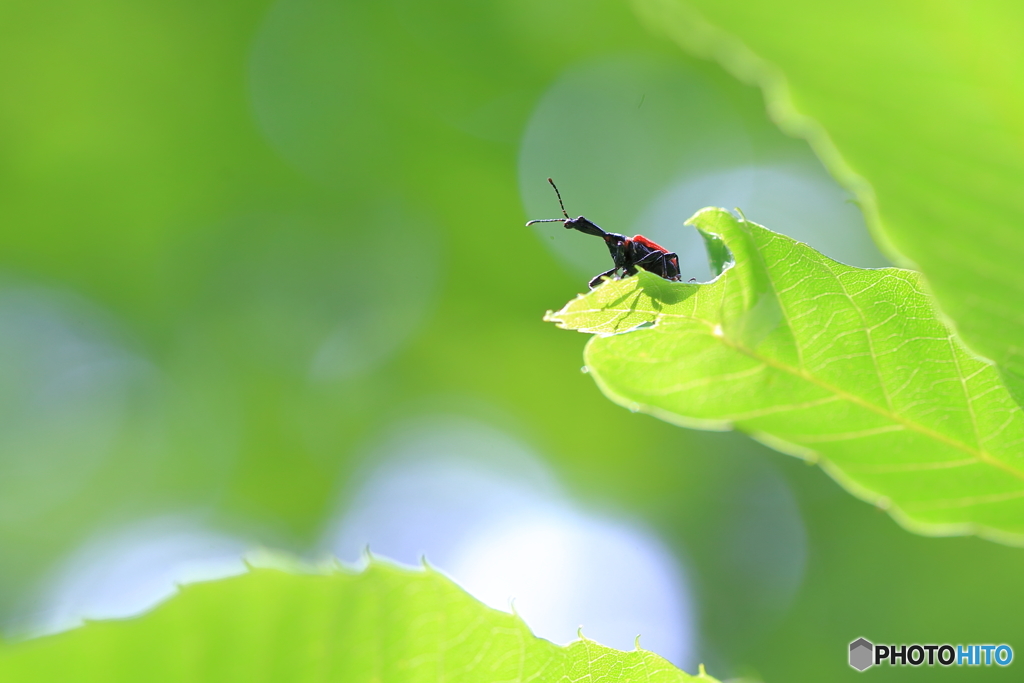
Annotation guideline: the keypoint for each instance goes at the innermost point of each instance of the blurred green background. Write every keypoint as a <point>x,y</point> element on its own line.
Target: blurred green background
<point>247,244</point>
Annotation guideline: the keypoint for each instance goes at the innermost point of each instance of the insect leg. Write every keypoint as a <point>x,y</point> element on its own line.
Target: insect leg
<point>653,261</point>
<point>597,280</point>
<point>664,264</point>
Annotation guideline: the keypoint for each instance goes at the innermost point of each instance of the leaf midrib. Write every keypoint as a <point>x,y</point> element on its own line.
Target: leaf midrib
<point>978,453</point>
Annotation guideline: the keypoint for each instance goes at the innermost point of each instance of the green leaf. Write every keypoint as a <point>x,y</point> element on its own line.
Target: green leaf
<point>918,108</point>
<point>844,366</point>
<point>384,624</point>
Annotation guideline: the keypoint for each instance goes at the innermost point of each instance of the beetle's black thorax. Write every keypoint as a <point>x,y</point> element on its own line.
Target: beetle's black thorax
<point>618,247</point>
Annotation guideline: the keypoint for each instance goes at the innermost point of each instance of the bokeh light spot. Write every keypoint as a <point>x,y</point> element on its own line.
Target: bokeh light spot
<point>787,198</point>
<point>613,133</point>
<point>123,572</point>
<point>483,508</point>
<point>638,144</point>
<point>66,382</point>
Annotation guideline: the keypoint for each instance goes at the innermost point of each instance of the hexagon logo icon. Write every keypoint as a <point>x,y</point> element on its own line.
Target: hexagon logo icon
<point>861,654</point>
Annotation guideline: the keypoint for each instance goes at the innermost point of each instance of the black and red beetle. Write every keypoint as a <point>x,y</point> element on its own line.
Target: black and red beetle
<point>628,253</point>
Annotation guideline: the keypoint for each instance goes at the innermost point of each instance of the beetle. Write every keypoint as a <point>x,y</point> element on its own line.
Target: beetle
<point>628,253</point>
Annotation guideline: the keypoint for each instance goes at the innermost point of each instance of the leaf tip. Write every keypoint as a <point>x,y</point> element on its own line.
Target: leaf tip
<point>553,317</point>
<point>699,218</point>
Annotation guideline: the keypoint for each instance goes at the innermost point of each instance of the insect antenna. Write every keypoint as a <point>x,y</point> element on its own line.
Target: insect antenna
<point>559,195</point>
<point>554,220</point>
